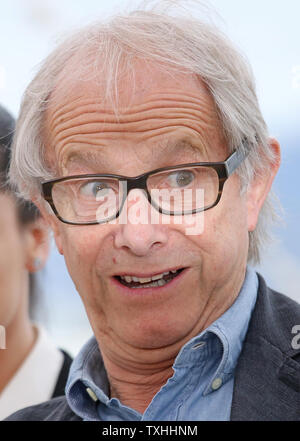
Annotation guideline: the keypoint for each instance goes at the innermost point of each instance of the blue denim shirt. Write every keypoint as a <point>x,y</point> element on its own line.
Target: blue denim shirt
<point>202,384</point>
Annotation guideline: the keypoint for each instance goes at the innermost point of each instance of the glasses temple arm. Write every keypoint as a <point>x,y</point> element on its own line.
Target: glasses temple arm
<point>237,157</point>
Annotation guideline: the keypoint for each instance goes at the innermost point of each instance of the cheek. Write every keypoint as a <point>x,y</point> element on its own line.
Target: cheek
<point>78,247</point>
<point>221,233</point>
<point>86,252</point>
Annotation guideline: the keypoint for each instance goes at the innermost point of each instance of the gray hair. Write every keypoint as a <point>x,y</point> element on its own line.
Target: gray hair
<point>179,42</point>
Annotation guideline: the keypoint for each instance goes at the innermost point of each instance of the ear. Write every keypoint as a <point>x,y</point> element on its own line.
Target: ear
<point>36,235</point>
<point>261,185</point>
<point>52,222</point>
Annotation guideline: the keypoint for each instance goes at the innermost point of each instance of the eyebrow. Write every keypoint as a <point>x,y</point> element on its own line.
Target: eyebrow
<point>85,158</point>
<point>186,145</point>
<point>169,151</point>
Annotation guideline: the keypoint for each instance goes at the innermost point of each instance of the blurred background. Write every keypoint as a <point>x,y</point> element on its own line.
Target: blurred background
<point>267,31</point>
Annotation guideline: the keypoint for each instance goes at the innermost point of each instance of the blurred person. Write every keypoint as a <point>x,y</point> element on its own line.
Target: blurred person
<point>126,120</point>
<point>32,369</point>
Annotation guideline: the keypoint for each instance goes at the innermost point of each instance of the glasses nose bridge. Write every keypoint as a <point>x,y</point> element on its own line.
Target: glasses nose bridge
<point>139,182</point>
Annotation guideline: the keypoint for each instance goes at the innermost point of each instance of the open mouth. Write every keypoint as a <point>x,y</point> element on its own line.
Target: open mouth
<point>149,282</point>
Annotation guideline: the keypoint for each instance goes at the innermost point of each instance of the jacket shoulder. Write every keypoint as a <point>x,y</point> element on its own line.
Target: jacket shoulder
<point>56,409</point>
<point>267,376</point>
<point>276,315</point>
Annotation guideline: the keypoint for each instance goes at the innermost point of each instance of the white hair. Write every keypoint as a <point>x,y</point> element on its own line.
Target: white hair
<point>181,42</point>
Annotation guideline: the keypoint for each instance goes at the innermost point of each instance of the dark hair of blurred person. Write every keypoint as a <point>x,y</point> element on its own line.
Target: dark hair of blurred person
<point>32,368</point>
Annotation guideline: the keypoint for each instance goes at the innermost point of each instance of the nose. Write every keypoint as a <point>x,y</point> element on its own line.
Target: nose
<point>136,230</point>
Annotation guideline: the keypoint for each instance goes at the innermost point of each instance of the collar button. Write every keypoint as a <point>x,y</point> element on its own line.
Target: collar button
<point>216,384</point>
<point>92,394</point>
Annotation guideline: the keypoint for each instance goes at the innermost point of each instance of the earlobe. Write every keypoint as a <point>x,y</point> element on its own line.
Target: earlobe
<point>57,238</point>
<point>53,223</point>
<point>260,187</point>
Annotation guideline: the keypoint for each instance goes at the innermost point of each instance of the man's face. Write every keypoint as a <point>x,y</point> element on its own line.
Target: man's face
<point>169,120</point>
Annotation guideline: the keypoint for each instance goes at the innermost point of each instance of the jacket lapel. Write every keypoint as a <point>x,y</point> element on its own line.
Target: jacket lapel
<point>267,377</point>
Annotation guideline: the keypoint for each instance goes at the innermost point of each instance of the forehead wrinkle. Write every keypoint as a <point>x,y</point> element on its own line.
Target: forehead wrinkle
<point>190,105</point>
<point>66,137</point>
<point>137,123</point>
<point>72,121</point>
<point>92,122</point>
<point>163,86</point>
<point>82,104</point>
<point>165,99</point>
<point>84,107</point>
<point>60,112</point>
<point>194,144</point>
<point>88,108</point>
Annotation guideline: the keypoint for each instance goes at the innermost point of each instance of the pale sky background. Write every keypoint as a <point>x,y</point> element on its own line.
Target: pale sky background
<point>267,31</point>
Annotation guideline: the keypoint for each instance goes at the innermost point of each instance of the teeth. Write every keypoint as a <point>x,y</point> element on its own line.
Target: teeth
<point>157,277</point>
<point>153,284</point>
<point>145,280</point>
<point>161,282</point>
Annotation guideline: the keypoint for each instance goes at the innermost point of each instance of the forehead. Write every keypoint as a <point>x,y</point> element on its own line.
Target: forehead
<point>128,86</point>
<point>150,100</point>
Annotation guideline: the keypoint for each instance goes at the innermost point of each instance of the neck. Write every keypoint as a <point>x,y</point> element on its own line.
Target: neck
<point>135,387</point>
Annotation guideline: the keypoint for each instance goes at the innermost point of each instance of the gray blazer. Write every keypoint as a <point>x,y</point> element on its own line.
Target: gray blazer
<point>267,377</point>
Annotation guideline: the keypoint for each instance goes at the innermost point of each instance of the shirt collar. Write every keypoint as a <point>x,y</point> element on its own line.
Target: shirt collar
<point>231,328</point>
<point>87,382</point>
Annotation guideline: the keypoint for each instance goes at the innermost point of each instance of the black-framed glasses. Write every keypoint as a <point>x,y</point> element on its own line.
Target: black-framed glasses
<point>179,190</point>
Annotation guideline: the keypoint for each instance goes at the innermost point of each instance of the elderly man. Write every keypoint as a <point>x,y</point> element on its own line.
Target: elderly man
<point>142,143</point>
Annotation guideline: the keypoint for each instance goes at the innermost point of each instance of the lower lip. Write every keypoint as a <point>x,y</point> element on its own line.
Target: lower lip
<point>150,290</point>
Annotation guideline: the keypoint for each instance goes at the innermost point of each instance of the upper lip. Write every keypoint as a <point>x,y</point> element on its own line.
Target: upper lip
<point>141,275</point>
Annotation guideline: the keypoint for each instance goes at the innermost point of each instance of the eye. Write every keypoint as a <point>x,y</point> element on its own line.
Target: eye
<point>95,189</point>
<point>181,178</point>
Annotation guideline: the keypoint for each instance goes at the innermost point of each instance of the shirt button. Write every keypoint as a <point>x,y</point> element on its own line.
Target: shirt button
<point>216,383</point>
<point>92,394</point>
